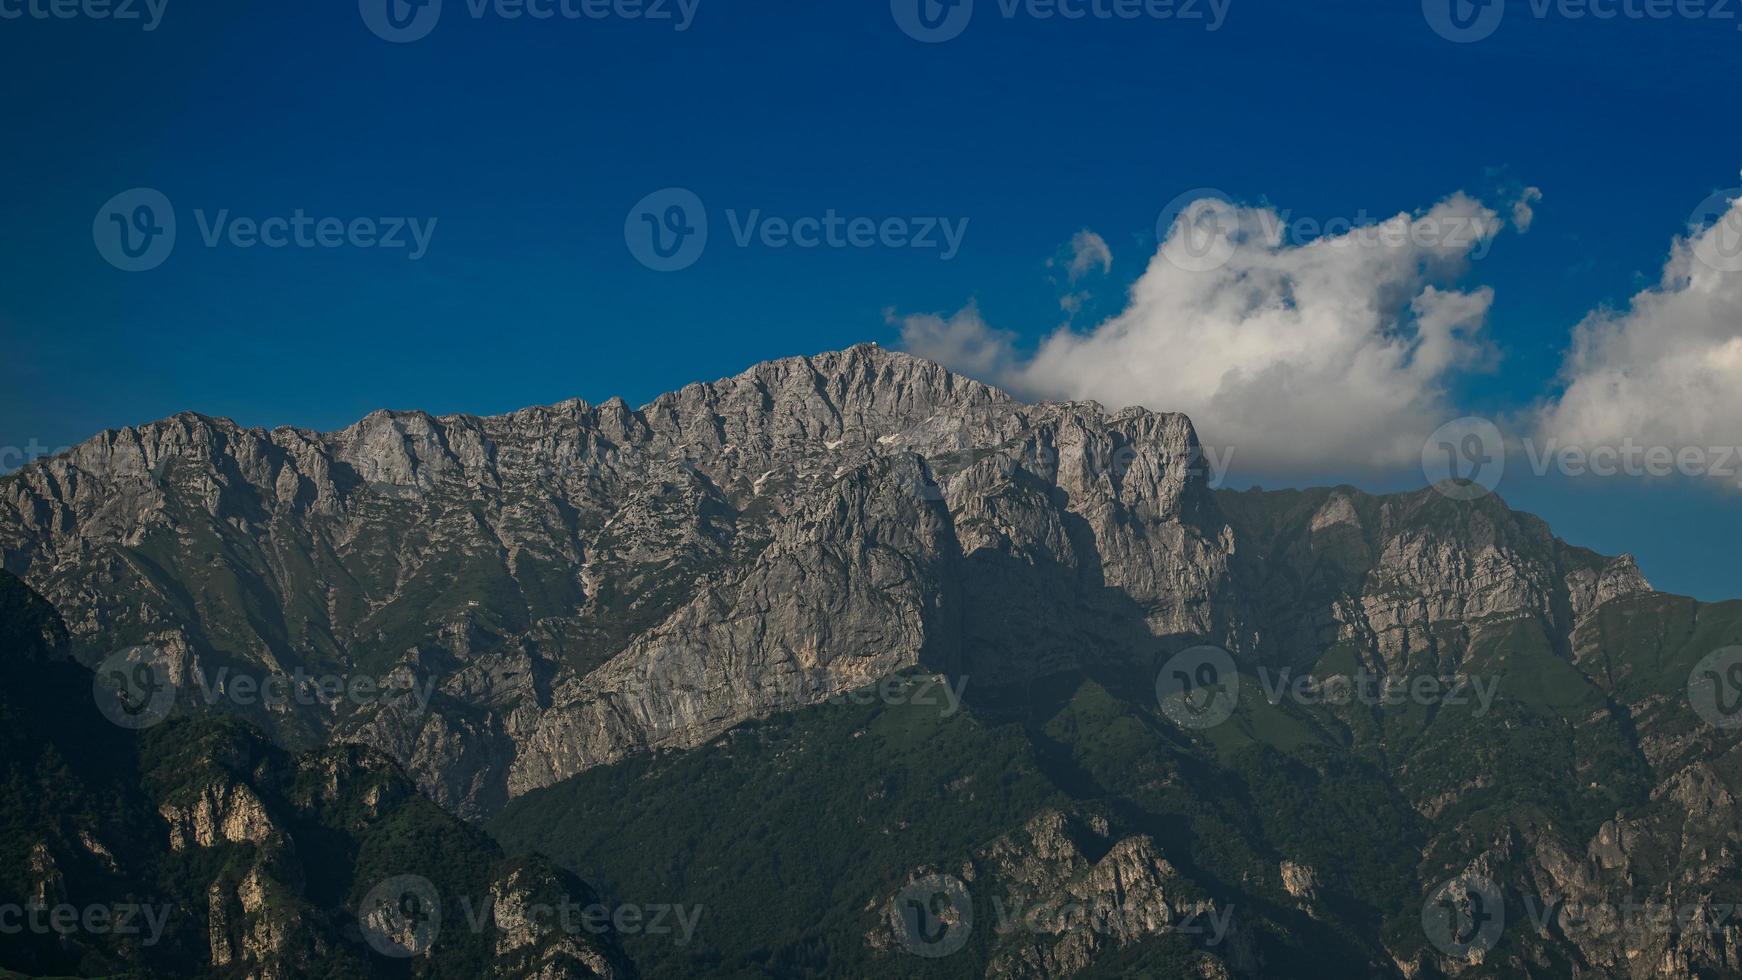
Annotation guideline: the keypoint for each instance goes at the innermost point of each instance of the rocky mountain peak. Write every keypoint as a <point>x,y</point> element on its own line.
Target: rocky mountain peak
<point>582,582</point>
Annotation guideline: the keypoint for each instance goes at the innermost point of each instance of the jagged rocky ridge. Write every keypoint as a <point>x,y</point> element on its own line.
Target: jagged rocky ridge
<point>583,582</point>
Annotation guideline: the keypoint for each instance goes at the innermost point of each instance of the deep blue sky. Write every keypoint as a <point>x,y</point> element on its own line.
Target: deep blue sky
<point>530,140</point>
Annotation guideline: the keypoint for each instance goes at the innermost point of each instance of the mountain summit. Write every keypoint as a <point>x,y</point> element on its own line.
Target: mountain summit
<point>583,582</point>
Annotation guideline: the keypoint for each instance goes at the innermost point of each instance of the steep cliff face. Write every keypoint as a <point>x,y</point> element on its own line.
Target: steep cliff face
<point>579,582</point>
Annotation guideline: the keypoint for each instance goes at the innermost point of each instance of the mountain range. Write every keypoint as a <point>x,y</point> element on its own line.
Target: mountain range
<point>881,669</point>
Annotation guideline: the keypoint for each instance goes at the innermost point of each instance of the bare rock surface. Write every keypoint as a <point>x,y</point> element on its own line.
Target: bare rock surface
<point>573,583</point>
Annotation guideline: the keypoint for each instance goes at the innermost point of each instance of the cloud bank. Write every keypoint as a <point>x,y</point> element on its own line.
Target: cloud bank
<point>1302,356</point>
<point>1667,370</point>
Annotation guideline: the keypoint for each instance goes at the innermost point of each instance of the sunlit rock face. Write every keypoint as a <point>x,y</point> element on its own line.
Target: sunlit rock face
<point>551,590</point>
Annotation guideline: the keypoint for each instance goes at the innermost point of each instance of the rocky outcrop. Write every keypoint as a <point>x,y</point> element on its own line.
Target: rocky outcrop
<point>1407,581</point>
<point>1053,910</point>
<point>528,944</point>
<point>218,814</point>
<point>1300,881</point>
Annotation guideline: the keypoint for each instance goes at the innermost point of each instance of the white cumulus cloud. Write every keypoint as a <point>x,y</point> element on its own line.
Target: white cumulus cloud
<point>1301,357</point>
<point>1667,370</point>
